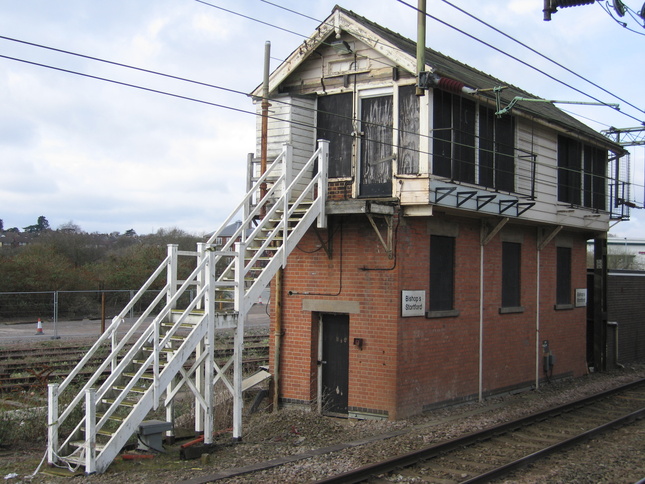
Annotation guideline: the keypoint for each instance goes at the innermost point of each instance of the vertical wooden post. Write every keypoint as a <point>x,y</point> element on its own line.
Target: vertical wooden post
<point>102,312</point>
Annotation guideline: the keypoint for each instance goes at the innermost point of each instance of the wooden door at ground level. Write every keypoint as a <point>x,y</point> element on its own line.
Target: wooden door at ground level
<point>335,363</point>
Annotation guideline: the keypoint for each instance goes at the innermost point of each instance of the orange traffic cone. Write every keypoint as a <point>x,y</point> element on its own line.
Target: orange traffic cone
<point>39,327</point>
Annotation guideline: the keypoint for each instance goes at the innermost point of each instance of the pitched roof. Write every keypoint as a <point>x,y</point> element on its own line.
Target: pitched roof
<point>446,67</point>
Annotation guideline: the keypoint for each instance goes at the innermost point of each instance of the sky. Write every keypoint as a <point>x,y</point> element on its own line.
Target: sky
<point>108,158</point>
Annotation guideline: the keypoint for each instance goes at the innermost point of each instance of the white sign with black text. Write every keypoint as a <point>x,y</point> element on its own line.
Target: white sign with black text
<point>413,303</point>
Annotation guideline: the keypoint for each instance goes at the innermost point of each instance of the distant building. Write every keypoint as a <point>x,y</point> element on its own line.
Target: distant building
<point>623,253</point>
<point>14,239</point>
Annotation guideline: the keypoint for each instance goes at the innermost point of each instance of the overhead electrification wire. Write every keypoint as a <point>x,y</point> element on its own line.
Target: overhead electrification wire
<point>292,11</point>
<point>223,106</point>
<point>487,44</point>
<point>251,18</point>
<point>607,10</point>
<point>306,125</point>
<point>119,64</point>
<point>540,54</point>
<point>127,84</point>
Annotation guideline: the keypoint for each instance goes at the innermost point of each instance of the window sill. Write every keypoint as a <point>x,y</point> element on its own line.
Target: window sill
<point>562,307</point>
<point>511,310</point>
<point>449,313</point>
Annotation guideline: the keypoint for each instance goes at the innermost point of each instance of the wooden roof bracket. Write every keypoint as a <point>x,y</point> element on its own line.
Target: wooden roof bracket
<point>487,235</point>
<point>543,240</point>
<point>387,244</point>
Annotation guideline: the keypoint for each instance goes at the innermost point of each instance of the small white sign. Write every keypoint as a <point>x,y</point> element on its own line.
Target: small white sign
<point>413,303</point>
<point>581,298</point>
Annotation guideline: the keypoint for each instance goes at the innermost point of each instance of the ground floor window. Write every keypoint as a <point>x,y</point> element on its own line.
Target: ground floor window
<point>442,273</point>
<point>563,276</point>
<point>511,263</point>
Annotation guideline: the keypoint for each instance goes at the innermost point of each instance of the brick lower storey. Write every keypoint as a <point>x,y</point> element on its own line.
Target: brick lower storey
<point>395,366</point>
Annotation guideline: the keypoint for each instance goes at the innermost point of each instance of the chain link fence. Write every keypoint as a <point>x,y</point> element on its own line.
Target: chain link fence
<point>53,306</point>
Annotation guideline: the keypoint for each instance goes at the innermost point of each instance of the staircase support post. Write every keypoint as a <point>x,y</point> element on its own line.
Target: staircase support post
<point>323,165</point>
<point>287,170</point>
<point>171,272</point>
<point>90,431</point>
<point>170,405</point>
<point>240,306</point>
<point>209,308</point>
<point>199,350</point>
<point>52,423</point>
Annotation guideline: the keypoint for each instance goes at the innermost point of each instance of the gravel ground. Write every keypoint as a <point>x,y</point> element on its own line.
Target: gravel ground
<point>618,458</point>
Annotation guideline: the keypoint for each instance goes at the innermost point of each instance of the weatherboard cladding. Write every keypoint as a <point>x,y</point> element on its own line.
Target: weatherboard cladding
<point>448,67</point>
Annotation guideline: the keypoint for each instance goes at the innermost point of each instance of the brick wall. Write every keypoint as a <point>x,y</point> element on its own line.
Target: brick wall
<point>409,364</point>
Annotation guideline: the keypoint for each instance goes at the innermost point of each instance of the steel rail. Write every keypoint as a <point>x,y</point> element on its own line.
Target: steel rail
<point>365,472</point>
<point>582,437</point>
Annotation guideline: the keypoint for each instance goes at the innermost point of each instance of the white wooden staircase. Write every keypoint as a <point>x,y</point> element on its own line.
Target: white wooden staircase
<point>93,413</point>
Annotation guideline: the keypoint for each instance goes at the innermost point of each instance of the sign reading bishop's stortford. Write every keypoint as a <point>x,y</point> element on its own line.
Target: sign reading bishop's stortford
<point>413,303</point>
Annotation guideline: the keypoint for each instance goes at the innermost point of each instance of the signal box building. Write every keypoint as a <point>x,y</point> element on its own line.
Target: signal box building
<point>453,264</point>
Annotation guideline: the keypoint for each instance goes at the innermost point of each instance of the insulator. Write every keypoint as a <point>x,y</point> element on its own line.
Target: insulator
<point>450,85</point>
<point>572,3</point>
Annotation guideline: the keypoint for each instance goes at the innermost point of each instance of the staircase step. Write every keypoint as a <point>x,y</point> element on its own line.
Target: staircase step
<point>165,350</point>
<point>133,389</point>
<point>116,418</point>
<point>124,403</point>
<point>80,444</point>
<point>143,362</point>
<point>145,376</point>
<point>103,432</point>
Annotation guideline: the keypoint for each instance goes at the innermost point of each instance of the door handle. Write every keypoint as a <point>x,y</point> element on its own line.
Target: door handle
<point>322,362</point>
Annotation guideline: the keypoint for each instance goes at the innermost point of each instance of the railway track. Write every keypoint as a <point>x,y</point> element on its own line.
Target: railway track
<point>32,369</point>
<point>495,452</point>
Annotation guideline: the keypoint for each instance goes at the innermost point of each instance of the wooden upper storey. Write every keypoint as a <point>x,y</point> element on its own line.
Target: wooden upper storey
<point>353,83</point>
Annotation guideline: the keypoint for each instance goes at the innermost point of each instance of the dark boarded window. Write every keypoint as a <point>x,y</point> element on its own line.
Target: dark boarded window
<point>582,174</point>
<point>496,150</point>
<point>408,160</point>
<point>511,263</point>
<point>563,277</point>
<point>594,181</point>
<point>376,146</point>
<point>569,170</point>
<point>335,124</point>
<point>442,134</point>
<point>442,273</point>
<point>453,145</point>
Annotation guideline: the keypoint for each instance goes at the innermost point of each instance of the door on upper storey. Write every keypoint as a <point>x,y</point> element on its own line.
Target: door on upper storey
<point>376,147</point>
<point>335,363</point>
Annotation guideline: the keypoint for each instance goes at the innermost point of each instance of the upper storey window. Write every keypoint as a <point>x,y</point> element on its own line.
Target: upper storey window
<point>581,174</point>
<point>471,144</point>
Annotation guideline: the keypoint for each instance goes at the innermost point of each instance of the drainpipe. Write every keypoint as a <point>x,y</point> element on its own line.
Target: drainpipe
<point>537,321</point>
<point>481,322</point>
<point>421,42</point>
